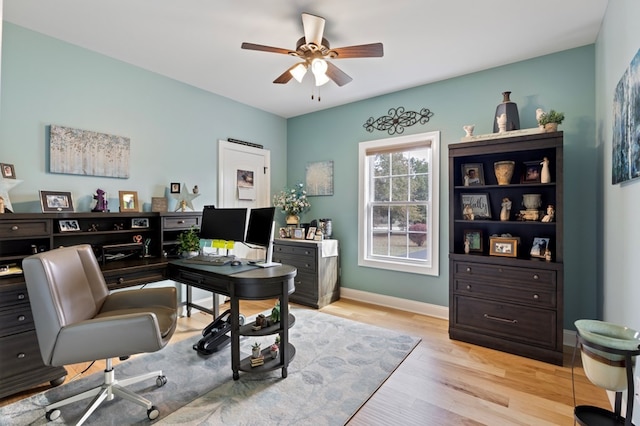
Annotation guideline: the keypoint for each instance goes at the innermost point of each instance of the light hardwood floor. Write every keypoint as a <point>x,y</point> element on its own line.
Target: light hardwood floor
<point>442,382</point>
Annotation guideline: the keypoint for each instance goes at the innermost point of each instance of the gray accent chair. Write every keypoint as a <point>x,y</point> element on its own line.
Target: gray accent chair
<point>77,320</point>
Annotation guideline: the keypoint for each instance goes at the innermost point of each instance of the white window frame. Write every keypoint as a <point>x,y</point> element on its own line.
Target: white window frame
<point>431,266</point>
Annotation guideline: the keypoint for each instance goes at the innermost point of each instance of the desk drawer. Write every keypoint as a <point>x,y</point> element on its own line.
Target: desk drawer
<point>121,278</point>
<point>504,320</point>
<point>18,229</point>
<point>301,263</point>
<point>180,222</point>
<point>20,353</point>
<point>285,249</point>
<point>16,320</point>
<point>11,294</point>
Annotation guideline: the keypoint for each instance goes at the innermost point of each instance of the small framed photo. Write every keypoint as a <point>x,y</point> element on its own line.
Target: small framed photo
<point>474,237</point>
<point>532,172</point>
<point>539,247</point>
<point>298,233</point>
<point>53,202</point>
<point>159,204</point>
<point>140,222</point>
<point>8,171</point>
<point>175,187</point>
<point>129,201</point>
<point>502,246</point>
<point>284,232</point>
<point>68,225</point>
<point>311,233</point>
<point>472,174</point>
<point>475,206</point>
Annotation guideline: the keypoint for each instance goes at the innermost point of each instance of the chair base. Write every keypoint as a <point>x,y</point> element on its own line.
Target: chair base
<point>109,389</point>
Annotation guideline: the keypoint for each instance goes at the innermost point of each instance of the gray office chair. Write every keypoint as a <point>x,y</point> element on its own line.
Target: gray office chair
<point>77,320</point>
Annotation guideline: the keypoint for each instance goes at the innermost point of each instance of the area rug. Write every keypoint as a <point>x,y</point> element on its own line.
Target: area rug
<point>338,365</point>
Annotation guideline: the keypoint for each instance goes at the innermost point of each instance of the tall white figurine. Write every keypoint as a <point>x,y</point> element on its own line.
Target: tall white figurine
<point>505,213</point>
<point>502,123</point>
<point>545,174</point>
<point>467,245</point>
<point>539,113</point>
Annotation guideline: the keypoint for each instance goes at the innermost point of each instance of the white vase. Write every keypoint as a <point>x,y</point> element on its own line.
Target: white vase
<point>532,201</point>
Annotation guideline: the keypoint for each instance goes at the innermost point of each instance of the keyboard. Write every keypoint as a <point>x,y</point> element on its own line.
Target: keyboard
<point>210,260</point>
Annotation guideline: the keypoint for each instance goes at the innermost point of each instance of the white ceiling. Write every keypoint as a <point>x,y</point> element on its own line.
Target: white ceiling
<point>198,41</point>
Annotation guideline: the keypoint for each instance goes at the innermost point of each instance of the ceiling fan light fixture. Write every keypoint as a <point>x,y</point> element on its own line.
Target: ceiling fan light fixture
<point>319,69</point>
<point>298,72</point>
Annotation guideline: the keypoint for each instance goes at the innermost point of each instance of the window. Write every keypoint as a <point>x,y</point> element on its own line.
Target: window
<point>398,203</point>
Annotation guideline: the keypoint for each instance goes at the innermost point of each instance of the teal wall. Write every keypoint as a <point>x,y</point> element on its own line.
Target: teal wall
<point>174,130</point>
<point>174,127</point>
<point>562,81</point>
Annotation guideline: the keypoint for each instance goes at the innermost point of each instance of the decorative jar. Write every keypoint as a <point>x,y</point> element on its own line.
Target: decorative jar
<point>504,171</point>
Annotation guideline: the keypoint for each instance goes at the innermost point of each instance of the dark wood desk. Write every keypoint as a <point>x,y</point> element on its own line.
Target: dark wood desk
<point>249,283</point>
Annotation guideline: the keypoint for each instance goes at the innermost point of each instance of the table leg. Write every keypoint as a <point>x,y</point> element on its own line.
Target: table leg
<point>235,335</point>
<point>284,327</point>
<point>189,295</point>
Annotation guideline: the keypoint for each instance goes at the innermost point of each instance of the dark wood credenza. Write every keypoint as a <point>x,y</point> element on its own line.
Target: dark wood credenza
<point>110,234</point>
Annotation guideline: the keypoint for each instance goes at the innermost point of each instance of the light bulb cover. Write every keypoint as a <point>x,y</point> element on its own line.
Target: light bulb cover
<point>298,72</point>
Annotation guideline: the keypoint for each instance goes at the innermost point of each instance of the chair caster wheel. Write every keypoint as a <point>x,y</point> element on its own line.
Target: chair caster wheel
<point>52,415</point>
<point>161,381</point>
<point>153,412</point>
<point>241,319</point>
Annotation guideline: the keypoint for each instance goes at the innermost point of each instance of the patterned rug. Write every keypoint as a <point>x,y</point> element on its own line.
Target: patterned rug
<point>338,365</point>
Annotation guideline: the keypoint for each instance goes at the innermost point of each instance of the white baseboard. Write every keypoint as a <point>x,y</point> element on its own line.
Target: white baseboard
<point>436,311</point>
<point>422,308</point>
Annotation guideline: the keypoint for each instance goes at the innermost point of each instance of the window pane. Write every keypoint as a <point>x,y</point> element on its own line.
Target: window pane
<point>380,164</point>
<point>380,220</point>
<point>398,218</point>
<point>399,163</point>
<point>419,188</point>
<point>400,191</point>
<point>380,244</point>
<point>381,189</point>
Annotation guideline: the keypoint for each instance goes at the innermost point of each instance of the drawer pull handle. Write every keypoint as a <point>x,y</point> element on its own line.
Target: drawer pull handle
<point>468,286</point>
<point>536,276</point>
<point>14,228</point>
<point>536,297</point>
<point>120,280</point>
<point>21,355</point>
<point>21,296</point>
<point>21,317</point>
<point>500,270</point>
<point>468,269</point>
<point>491,317</point>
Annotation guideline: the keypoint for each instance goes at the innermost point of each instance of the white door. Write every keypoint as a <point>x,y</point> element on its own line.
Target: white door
<point>244,180</point>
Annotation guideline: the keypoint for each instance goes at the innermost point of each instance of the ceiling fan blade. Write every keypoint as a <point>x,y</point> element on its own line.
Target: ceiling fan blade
<point>313,28</point>
<point>286,76</point>
<point>337,75</point>
<point>262,48</point>
<point>373,50</point>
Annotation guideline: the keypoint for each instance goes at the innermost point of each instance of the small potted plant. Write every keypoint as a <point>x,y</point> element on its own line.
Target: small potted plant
<point>189,243</point>
<point>255,350</point>
<point>550,120</point>
<point>274,350</point>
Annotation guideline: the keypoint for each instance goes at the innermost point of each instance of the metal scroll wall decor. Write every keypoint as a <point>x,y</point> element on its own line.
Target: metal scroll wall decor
<point>397,120</point>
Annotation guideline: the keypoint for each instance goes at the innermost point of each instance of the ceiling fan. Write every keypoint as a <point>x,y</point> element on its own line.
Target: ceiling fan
<point>314,49</point>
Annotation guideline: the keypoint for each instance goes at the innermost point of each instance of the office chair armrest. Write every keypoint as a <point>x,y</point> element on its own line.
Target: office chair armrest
<point>109,337</point>
<point>139,298</point>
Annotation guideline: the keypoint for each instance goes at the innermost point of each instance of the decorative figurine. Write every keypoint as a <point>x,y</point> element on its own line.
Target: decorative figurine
<point>547,255</point>
<point>539,114</point>
<point>502,123</point>
<point>101,201</point>
<point>195,189</point>
<point>467,245</point>
<point>467,212</point>
<point>551,212</point>
<point>545,174</point>
<point>469,129</point>
<point>505,213</point>
<point>1,205</point>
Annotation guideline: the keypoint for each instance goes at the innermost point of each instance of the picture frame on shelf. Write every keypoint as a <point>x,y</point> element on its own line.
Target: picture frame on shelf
<point>298,234</point>
<point>8,171</point>
<point>140,222</point>
<point>56,201</point>
<point>473,174</point>
<point>175,187</point>
<point>503,246</point>
<point>129,201</point>
<point>479,203</point>
<point>532,172</point>
<point>159,204</point>
<point>474,236</point>
<point>284,232</point>
<point>68,225</point>
<point>539,247</point>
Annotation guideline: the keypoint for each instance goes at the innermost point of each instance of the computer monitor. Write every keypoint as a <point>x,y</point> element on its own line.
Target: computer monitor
<point>223,224</point>
<point>260,232</point>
